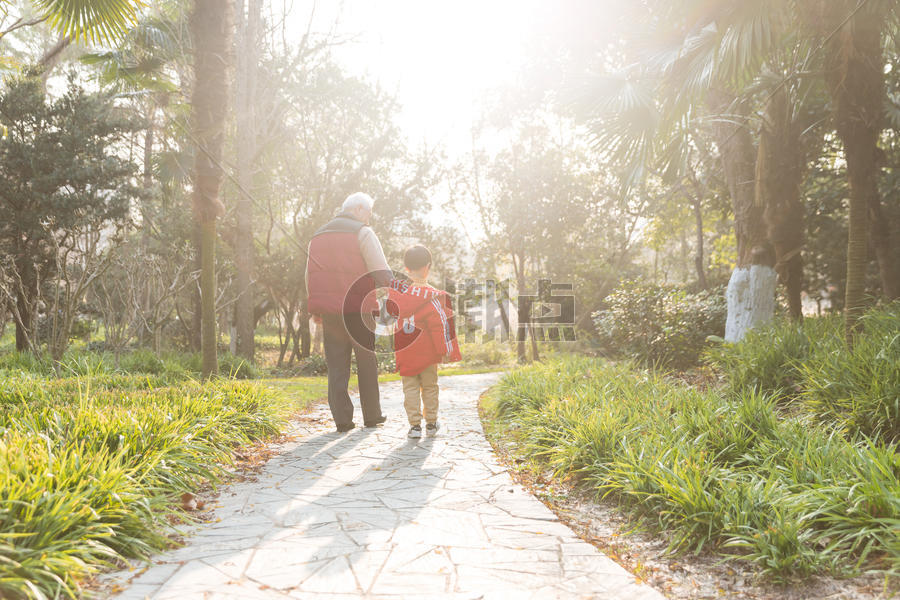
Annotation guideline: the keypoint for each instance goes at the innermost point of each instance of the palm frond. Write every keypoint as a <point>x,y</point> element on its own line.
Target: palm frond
<point>622,116</point>
<point>674,156</point>
<point>695,69</point>
<point>139,63</point>
<point>749,32</point>
<point>157,36</point>
<point>91,20</point>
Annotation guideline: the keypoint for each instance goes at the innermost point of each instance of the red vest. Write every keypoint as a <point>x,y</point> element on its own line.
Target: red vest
<point>338,278</point>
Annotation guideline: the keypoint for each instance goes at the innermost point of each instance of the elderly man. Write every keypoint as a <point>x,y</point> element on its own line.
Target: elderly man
<point>344,266</point>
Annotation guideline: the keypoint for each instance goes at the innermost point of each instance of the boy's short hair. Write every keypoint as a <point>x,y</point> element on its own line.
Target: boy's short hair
<point>417,257</point>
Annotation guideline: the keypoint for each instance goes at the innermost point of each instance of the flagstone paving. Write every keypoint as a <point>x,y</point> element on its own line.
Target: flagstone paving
<point>372,514</point>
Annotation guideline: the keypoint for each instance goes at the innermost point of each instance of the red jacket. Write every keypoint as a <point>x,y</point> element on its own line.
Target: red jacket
<point>426,331</point>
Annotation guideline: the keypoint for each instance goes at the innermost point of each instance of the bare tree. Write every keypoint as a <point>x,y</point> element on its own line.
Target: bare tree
<point>82,256</point>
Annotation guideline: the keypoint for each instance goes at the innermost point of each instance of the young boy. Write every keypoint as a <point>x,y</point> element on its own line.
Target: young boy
<point>425,336</point>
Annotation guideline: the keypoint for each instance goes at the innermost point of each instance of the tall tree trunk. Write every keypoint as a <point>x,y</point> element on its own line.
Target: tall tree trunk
<point>288,335</point>
<point>209,359</point>
<point>751,289</point>
<point>502,299</point>
<point>535,355</point>
<point>195,333</point>
<point>24,323</point>
<point>296,353</point>
<point>149,295</point>
<point>26,298</point>
<point>149,137</point>
<point>244,258</point>
<point>317,339</point>
<point>699,261</point>
<point>779,173</point>
<point>305,334</point>
<point>211,30</point>
<point>735,142</point>
<point>855,79</point>
<point>885,250</point>
<point>521,350</point>
<point>857,252</point>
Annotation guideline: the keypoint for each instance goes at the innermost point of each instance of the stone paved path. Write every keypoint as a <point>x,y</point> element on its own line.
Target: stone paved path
<point>371,514</point>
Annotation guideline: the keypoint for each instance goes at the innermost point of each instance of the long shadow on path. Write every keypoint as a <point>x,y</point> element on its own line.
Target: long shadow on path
<point>373,514</point>
<point>320,519</point>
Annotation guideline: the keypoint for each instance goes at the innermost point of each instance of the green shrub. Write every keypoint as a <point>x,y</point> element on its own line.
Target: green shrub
<point>487,354</point>
<point>24,362</point>
<point>858,390</point>
<point>236,367</point>
<point>313,364</point>
<point>718,472</point>
<point>387,362</point>
<point>660,325</point>
<point>142,361</point>
<point>173,366</point>
<point>767,358</point>
<point>65,513</point>
<point>189,361</point>
<point>91,468</point>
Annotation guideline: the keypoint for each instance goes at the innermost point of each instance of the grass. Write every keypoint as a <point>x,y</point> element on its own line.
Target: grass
<point>302,390</point>
<point>725,473</point>
<point>447,371</point>
<point>172,366</point>
<point>91,467</point>
<point>95,452</point>
<point>810,367</point>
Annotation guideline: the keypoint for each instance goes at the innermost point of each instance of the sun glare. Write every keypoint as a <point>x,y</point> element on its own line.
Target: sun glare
<point>439,57</point>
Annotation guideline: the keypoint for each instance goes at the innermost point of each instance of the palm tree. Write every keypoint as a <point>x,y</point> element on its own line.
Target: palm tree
<point>779,175</point>
<point>793,110</point>
<point>211,26</point>
<point>855,78</point>
<point>707,78</point>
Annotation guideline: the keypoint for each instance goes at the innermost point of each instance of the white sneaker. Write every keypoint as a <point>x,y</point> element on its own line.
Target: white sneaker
<point>415,431</point>
<point>431,428</point>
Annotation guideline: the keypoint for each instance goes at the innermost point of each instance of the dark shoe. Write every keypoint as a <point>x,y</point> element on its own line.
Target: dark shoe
<point>431,428</point>
<point>346,427</point>
<point>376,422</point>
<point>415,431</point>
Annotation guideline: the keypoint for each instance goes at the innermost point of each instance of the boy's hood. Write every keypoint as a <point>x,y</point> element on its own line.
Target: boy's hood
<point>411,297</point>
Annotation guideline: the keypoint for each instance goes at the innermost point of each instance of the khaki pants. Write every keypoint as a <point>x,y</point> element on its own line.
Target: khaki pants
<point>420,395</point>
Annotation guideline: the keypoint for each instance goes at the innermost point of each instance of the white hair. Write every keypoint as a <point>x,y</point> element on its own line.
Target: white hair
<point>358,200</point>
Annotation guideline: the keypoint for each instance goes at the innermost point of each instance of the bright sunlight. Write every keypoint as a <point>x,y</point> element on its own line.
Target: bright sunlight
<point>383,299</point>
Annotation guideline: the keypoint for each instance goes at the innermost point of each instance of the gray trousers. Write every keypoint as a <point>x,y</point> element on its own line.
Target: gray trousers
<point>345,335</point>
